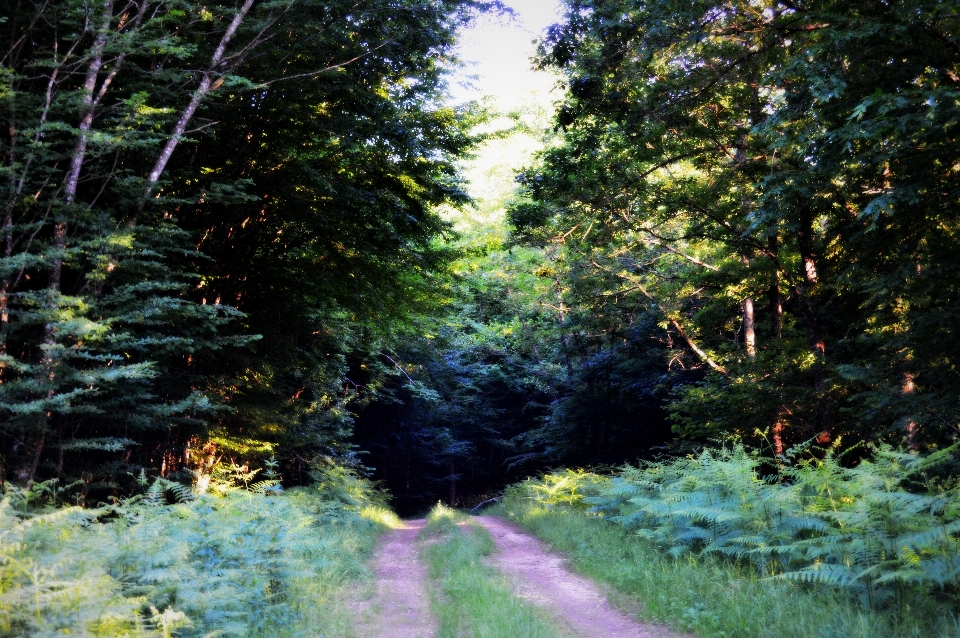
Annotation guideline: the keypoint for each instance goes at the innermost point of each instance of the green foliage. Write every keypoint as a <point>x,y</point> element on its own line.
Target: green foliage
<point>569,488</point>
<point>476,373</point>
<point>203,232</point>
<point>470,597</point>
<point>491,364</point>
<point>338,255</point>
<point>884,529</point>
<point>513,385</point>
<point>98,328</point>
<point>708,595</point>
<point>757,196</point>
<point>245,563</point>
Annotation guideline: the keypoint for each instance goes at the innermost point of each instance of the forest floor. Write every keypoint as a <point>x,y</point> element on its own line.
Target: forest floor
<point>576,606</point>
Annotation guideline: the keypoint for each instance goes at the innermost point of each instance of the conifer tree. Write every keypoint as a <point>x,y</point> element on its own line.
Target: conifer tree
<point>123,315</point>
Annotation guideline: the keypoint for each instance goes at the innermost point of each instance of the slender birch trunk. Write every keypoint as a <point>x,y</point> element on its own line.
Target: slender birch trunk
<point>746,306</point>
<point>8,233</point>
<point>683,335</point>
<point>676,324</point>
<point>749,326</point>
<point>5,290</point>
<point>72,179</point>
<point>15,190</point>
<point>59,243</point>
<point>207,84</point>
<point>749,331</point>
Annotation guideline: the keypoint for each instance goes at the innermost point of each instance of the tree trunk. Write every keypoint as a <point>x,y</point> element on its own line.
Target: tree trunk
<point>911,427</point>
<point>59,240</point>
<point>207,84</point>
<point>453,485</point>
<point>86,118</point>
<point>749,326</point>
<point>822,419</point>
<point>8,238</point>
<point>72,179</point>
<point>5,291</point>
<point>749,334</point>
<point>775,300</point>
<point>15,191</point>
<point>683,335</point>
<point>778,437</point>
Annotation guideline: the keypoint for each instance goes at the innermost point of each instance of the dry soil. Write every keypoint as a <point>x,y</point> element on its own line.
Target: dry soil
<point>400,607</point>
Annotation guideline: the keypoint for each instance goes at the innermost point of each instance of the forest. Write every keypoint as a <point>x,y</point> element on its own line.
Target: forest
<point>252,252</point>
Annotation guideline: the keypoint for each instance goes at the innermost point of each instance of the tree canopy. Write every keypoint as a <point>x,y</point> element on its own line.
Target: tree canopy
<point>768,190</point>
<point>208,209</point>
<point>237,231</point>
<point>742,225</point>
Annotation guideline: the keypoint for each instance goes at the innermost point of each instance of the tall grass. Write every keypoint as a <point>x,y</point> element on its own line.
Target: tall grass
<point>707,595</point>
<point>878,543</point>
<point>239,563</point>
<point>471,598</point>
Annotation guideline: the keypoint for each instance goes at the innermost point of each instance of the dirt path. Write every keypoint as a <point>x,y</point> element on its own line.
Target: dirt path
<point>542,578</point>
<point>400,608</point>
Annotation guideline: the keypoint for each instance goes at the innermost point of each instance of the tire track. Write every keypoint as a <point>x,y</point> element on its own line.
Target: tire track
<point>400,608</point>
<point>542,577</point>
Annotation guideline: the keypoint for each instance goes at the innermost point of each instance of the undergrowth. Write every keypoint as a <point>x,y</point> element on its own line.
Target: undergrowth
<point>471,598</point>
<point>708,596</point>
<point>708,543</point>
<point>231,562</point>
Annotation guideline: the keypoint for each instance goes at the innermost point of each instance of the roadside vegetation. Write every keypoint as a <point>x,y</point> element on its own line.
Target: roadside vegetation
<point>471,598</point>
<point>167,562</point>
<point>708,545</point>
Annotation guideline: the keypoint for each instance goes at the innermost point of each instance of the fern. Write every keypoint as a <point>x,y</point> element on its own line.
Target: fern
<point>167,562</point>
<point>873,529</point>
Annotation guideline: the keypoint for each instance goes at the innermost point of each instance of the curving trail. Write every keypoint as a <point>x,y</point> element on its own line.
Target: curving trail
<point>542,578</point>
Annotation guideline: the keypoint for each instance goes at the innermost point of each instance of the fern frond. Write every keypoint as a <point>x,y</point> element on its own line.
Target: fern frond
<point>837,575</point>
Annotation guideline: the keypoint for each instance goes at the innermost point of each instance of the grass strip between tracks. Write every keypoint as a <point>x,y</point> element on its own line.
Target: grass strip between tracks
<point>470,598</point>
